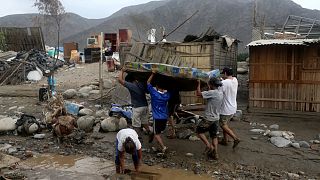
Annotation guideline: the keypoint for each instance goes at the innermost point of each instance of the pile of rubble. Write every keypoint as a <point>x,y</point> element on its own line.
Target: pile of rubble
<point>280,138</point>
<point>16,68</point>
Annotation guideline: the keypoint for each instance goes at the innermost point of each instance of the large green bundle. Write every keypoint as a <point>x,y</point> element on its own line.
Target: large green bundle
<point>168,76</point>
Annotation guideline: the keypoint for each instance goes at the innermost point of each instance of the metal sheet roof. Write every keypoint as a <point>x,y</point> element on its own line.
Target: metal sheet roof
<point>264,42</point>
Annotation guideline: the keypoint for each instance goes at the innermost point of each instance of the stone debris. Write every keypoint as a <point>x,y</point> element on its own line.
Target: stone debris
<point>295,145</point>
<point>259,131</point>
<point>274,126</point>
<point>254,138</point>
<point>280,142</point>
<point>189,154</point>
<point>285,134</point>
<point>85,89</point>
<point>185,134</point>
<point>304,144</point>
<point>194,138</point>
<point>112,124</point>
<point>86,123</point>
<point>293,176</point>
<point>39,136</point>
<point>85,111</point>
<point>69,94</point>
<point>7,124</point>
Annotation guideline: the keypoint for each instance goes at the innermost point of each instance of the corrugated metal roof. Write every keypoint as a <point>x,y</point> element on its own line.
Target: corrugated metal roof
<point>283,42</point>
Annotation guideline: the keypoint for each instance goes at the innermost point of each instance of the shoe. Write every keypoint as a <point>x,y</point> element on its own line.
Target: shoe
<point>164,150</point>
<point>151,137</point>
<point>235,143</point>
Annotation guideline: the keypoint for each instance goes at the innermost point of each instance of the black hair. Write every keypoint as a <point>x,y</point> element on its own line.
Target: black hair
<point>228,71</point>
<point>129,145</point>
<point>215,82</point>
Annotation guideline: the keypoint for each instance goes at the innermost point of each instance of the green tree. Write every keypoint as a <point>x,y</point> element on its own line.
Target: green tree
<point>53,10</point>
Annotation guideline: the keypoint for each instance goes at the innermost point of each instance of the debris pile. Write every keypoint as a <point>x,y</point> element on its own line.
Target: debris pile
<point>16,68</point>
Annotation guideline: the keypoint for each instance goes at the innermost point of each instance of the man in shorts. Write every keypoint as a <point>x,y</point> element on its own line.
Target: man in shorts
<point>127,142</point>
<point>210,122</point>
<point>173,105</point>
<point>137,92</point>
<point>159,101</point>
<point>229,105</point>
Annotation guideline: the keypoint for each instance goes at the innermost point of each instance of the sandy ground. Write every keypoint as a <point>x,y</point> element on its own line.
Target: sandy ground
<point>253,159</point>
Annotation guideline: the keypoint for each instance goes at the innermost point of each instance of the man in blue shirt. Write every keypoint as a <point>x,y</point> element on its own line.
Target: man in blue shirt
<point>137,92</point>
<point>159,101</point>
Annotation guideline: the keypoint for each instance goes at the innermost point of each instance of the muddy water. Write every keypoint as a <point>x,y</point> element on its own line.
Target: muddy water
<point>60,167</point>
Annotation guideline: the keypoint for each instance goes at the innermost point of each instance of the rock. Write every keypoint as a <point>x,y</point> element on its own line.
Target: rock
<point>275,174</point>
<point>12,150</point>
<point>109,124</point>
<point>101,113</point>
<point>85,111</point>
<point>97,127</point>
<point>39,136</point>
<point>316,142</point>
<point>194,138</point>
<point>285,134</point>
<point>301,173</point>
<point>122,123</point>
<point>7,161</point>
<point>94,87</point>
<point>274,126</point>
<point>189,155</point>
<point>254,138</point>
<point>7,124</point>
<point>86,123</point>
<point>293,176</point>
<point>280,142</point>
<point>107,84</point>
<point>94,92</point>
<point>32,128</point>
<point>20,108</point>
<point>28,154</point>
<point>266,132</point>
<point>257,130</point>
<point>5,147</point>
<point>69,94</point>
<point>85,89</point>
<point>83,95</point>
<point>242,71</point>
<point>295,145</point>
<point>304,144</point>
<point>185,134</point>
<point>12,108</point>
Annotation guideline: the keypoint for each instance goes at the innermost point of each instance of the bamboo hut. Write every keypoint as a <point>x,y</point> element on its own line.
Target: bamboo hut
<point>285,74</point>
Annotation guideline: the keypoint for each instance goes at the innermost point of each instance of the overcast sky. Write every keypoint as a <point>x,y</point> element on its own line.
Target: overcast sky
<point>97,8</point>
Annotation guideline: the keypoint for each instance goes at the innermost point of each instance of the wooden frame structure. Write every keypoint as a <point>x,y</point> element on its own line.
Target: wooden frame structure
<point>285,74</point>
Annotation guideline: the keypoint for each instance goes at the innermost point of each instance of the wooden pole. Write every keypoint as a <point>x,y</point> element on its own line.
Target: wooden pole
<point>100,67</point>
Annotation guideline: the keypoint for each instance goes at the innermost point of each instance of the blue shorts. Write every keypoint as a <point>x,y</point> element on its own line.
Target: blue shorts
<point>135,158</point>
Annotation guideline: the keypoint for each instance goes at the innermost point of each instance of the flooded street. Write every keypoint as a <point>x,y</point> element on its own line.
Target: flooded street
<point>51,166</point>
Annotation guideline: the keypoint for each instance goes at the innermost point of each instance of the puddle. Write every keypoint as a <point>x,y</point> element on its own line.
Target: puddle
<point>50,166</point>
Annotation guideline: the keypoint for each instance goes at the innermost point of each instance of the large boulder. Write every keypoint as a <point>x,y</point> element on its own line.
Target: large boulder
<point>85,111</point>
<point>69,94</point>
<point>86,123</point>
<point>101,113</point>
<point>107,84</point>
<point>7,124</point>
<point>113,124</point>
<point>280,141</point>
<point>85,89</point>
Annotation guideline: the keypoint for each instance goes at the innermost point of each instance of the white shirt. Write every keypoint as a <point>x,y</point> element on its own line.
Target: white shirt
<point>229,102</point>
<point>122,136</point>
